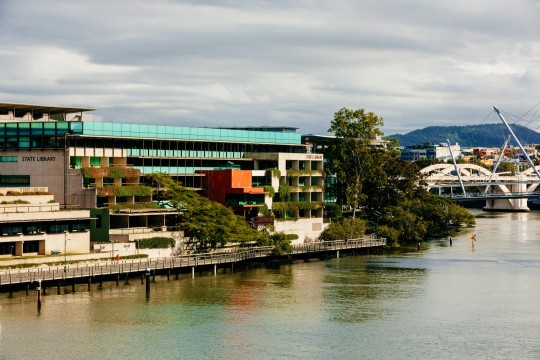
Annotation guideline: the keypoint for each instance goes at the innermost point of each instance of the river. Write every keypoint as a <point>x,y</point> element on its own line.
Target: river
<point>443,302</point>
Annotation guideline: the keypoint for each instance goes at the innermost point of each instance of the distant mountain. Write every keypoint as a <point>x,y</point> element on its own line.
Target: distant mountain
<point>487,135</point>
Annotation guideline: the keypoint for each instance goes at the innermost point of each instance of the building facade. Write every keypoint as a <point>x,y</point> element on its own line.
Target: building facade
<point>100,164</point>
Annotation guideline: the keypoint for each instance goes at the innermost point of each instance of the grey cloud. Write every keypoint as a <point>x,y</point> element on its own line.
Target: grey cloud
<point>226,63</point>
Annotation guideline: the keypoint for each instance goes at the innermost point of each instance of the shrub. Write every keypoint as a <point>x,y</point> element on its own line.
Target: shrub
<point>156,243</point>
<point>129,190</point>
<point>13,193</point>
<point>273,172</point>
<point>270,190</point>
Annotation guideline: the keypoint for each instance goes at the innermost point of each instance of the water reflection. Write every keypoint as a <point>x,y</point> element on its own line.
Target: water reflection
<point>361,288</point>
<point>448,302</point>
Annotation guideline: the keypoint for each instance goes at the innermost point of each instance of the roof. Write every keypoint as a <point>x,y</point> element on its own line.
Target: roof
<point>40,109</point>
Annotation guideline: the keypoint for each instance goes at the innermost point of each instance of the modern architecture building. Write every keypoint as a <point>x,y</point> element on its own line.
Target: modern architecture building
<point>32,223</point>
<point>99,166</point>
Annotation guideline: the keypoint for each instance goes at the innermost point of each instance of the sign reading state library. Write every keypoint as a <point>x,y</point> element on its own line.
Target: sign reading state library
<point>38,158</point>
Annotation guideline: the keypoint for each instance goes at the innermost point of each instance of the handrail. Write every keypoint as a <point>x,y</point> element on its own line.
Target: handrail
<point>20,276</point>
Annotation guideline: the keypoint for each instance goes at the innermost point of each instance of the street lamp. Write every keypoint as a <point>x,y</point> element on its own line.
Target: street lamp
<point>65,249</point>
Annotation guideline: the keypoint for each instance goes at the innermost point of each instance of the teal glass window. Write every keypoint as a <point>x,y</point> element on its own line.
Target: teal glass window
<point>8,159</point>
<point>95,161</point>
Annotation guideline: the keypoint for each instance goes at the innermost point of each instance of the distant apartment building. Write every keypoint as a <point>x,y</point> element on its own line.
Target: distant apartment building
<point>429,151</point>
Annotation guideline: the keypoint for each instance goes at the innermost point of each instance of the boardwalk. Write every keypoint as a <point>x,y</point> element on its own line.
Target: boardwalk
<point>125,268</point>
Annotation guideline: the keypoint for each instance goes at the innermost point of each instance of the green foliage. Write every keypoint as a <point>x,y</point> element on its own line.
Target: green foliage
<point>145,205</point>
<point>15,202</point>
<point>332,210</point>
<point>52,201</point>
<point>273,172</point>
<point>507,167</point>
<point>349,228</point>
<point>156,243</point>
<point>210,224</point>
<point>391,235</point>
<point>296,173</point>
<point>136,256</point>
<point>128,190</point>
<point>13,193</point>
<point>280,241</point>
<point>387,191</point>
<point>285,192</point>
<point>348,156</point>
<point>113,172</point>
<point>284,210</point>
<point>270,190</point>
<point>265,211</point>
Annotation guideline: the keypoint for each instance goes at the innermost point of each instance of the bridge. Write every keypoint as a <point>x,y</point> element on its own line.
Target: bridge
<point>501,191</point>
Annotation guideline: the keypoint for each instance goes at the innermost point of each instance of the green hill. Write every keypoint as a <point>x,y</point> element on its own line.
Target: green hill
<point>486,135</point>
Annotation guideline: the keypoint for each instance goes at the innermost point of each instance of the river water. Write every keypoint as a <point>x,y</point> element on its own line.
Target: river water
<point>443,302</point>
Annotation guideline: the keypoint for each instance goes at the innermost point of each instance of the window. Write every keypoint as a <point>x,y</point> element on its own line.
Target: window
<point>8,159</point>
<point>14,180</point>
<point>31,246</point>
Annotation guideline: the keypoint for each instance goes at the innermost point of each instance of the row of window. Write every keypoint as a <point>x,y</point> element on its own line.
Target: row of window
<point>14,180</point>
<point>8,248</point>
<point>8,159</point>
<point>44,227</point>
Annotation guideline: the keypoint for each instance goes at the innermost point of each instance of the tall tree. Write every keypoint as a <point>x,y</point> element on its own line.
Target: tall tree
<point>354,130</point>
<point>209,222</point>
<point>388,190</point>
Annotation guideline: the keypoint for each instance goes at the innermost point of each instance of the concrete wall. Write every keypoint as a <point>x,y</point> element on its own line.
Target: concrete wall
<point>306,229</point>
<point>46,169</point>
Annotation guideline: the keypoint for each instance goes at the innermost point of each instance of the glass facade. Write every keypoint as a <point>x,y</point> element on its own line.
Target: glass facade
<point>33,135</point>
<point>145,131</point>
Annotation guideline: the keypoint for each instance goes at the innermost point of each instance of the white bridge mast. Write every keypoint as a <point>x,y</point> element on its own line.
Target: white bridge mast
<point>515,138</point>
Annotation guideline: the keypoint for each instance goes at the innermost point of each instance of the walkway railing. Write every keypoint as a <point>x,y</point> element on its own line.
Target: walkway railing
<point>105,268</point>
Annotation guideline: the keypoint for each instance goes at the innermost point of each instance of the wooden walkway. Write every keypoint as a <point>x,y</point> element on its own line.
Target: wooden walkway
<point>125,268</point>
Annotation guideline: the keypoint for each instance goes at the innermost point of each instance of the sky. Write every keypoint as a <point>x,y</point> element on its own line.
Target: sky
<point>209,63</point>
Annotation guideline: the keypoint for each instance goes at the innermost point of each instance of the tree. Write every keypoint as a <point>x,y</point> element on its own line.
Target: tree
<point>354,130</point>
<point>351,228</point>
<point>388,192</point>
<point>210,223</point>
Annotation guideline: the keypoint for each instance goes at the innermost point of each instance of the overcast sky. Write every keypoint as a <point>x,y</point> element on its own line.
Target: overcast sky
<point>416,63</point>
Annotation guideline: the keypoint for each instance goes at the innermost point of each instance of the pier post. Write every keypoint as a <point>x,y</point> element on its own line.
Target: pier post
<point>27,289</point>
<point>73,286</point>
<point>147,274</point>
<point>89,283</point>
<point>154,276</point>
<point>337,254</point>
<point>215,269</point>
<point>39,295</point>
<point>117,279</point>
<point>169,275</point>
<point>176,274</point>
<point>58,288</point>
<point>193,272</point>
<point>127,278</point>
